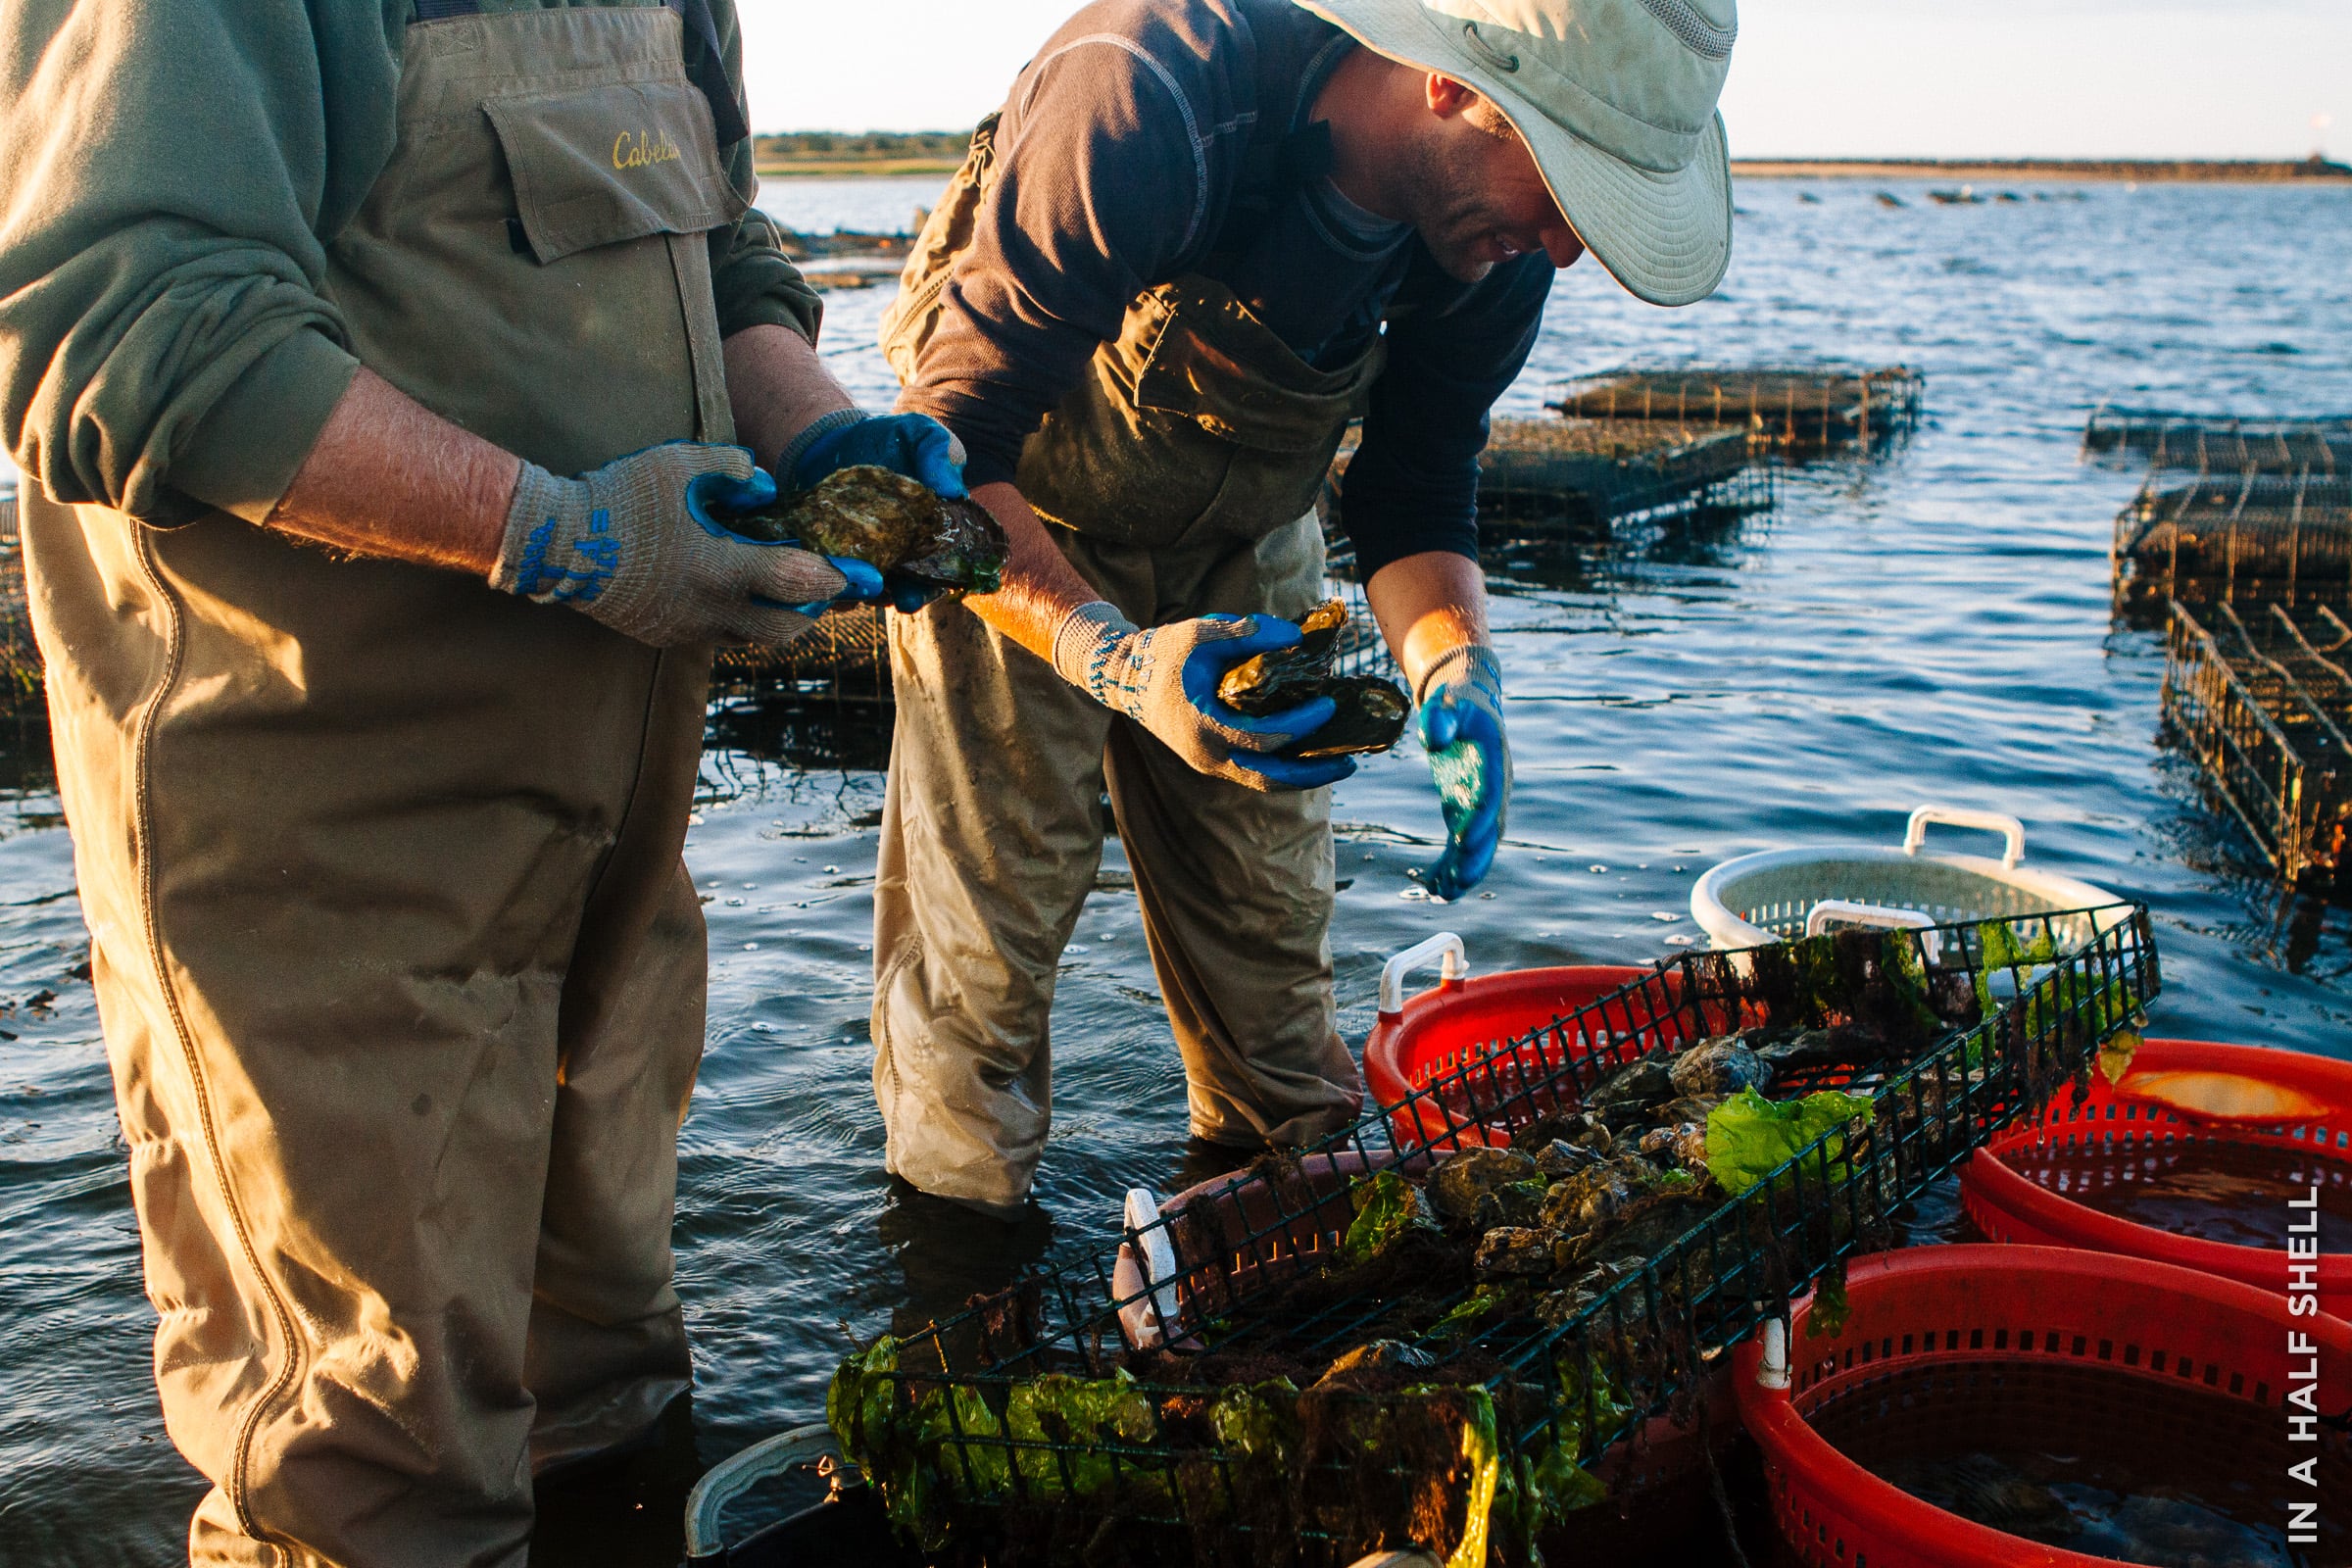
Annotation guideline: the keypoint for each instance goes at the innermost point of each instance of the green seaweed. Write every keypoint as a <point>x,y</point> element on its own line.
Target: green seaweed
<point>1749,1137</point>
<point>1387,1210</point>
<point>1063,1431</point>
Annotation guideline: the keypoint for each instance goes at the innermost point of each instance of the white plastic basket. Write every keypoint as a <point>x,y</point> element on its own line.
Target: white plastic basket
<point>1780,894</point>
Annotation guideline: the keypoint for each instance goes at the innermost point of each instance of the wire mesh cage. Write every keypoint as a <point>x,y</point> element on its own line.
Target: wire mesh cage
<point>20,657</point>
<point>1801,411</point>
<point>1557,477</point>
<point>841,665</point>
<point>2251,536</point>
<point>2221,443</point>
<point>2261,704</point>
<point>1163,1403</point>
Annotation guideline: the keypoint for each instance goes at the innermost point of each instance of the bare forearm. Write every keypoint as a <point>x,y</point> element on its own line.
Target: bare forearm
<point>777,388</point>
<point>1428,605</point>
<point>1041,586</point>
<point>389,478</point>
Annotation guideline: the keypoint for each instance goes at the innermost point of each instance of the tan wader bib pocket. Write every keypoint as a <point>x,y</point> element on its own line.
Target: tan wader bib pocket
<point>602,165</point>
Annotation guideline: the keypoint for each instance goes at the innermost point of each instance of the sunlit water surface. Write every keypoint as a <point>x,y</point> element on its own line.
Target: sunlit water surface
<point>1929,627</point>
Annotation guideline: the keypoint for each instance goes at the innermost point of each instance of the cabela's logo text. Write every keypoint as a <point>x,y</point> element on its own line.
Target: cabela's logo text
<point>643,148</point>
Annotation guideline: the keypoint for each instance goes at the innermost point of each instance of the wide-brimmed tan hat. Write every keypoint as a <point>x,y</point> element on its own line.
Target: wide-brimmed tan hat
<point>1615,98</point>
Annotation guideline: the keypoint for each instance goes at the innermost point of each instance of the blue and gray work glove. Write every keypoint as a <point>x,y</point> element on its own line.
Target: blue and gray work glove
<point>912,444</point>
<point>1461,729</point>
<point>1167,678</point>
<point>637,544</point>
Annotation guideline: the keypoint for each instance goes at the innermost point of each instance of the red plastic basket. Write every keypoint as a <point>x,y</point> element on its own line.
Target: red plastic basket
<point>1464,1020</point>
<point>1950,1306</point>
<point>2177,1090</point>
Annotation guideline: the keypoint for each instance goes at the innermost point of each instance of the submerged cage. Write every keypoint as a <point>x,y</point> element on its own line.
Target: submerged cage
<point>1801,411</point>
<point>2221,443</point>
<point>2248,536</point>
<point>1123,1407</point>
<point>841,665</point>
<point>21,681</point>
<point>1550,479</point>
<point>2261,704</point>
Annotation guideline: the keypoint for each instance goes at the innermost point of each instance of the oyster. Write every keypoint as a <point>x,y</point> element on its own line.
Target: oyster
<point>1457,1186</point>
<point>1370,710</point>
<point>1560,1158</point>
<point>1514,1252</point>
<point>1376,1356</point>
<point>1625,1095</point>
<point>1722,1066</point>
<point>891,523</point>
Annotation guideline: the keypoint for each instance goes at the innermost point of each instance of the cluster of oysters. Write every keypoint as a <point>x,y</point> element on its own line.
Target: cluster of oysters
<point>893,523</point>
<point>1369,709</point>
<point>1582,1198</point>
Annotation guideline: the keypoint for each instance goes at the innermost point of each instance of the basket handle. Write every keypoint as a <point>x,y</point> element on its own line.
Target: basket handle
<point>1392,972</point>
<point>2009,827</point>
<point>1149,1238</point>
<point>729,1478</point>
<point>1878,916</point>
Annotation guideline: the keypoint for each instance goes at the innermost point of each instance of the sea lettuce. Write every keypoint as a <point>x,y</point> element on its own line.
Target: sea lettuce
<point>1387,1209</point>
<point>1749,1137</point>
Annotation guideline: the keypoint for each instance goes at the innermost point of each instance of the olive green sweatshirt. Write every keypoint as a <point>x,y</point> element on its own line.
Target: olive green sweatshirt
<point>171,173</point>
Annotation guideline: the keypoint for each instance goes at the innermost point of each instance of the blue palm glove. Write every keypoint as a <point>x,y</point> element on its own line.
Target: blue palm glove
<point>1167,679</point>
<point>1461,730</point>
<point>912,444</point>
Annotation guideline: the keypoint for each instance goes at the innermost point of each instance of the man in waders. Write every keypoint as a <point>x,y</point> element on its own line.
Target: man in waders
<point>400,973</point>
<point>1198,239</point>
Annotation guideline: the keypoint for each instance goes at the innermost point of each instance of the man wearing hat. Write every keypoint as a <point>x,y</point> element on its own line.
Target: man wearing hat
<point>1200,237</point>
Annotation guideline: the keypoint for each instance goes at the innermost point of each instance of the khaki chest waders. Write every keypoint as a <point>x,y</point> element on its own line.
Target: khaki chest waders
<point>400,971</point>
<point>1180,475</point>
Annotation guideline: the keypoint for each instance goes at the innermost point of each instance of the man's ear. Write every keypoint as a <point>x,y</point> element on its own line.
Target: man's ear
<point>1445,96</point>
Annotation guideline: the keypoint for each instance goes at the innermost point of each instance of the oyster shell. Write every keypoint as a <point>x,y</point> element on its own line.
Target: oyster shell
<point>1457,1187</point>
<point>891,523</point>
<point>1370,710</point>
<point>1722,1066</point>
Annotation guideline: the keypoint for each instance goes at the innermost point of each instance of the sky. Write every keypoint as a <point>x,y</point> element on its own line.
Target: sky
<point>1917,78</point>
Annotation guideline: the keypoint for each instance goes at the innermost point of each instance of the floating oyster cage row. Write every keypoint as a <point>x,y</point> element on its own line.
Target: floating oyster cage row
<point>2254,535</point>
<point>1207,1275</point>
<point>2262,704</point>
<point>2220,443</point>
<point>1566,478</point>
<point>1798,410</point>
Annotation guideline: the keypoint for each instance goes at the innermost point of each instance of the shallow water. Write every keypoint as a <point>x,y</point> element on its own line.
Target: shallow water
<point>1929,627</point>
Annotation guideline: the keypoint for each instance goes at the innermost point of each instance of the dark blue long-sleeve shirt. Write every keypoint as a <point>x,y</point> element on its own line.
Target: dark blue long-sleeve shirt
<point>1118,157</point>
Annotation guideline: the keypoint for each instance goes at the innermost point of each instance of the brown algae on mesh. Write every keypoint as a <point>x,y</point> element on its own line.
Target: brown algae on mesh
<point>891,523</point>
<point>1369,709</point>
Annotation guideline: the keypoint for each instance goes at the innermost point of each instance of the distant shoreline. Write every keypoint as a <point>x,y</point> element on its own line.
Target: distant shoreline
<point>2111,170</point>
<point>836,167</point>
<point>778,163</point>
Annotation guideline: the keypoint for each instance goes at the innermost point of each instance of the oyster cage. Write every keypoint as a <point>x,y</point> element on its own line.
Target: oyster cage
<point>2261,704</point>
<point>21,678</point>
<point>1801,410</point>
<point>1545,478</point>
<point>2221,443</point>
<point>1124,1407</point>
<point>2251,536</point>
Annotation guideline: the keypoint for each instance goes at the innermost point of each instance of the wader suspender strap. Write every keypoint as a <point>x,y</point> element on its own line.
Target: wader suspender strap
<point>707,69</point>
<point>713,419</point>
